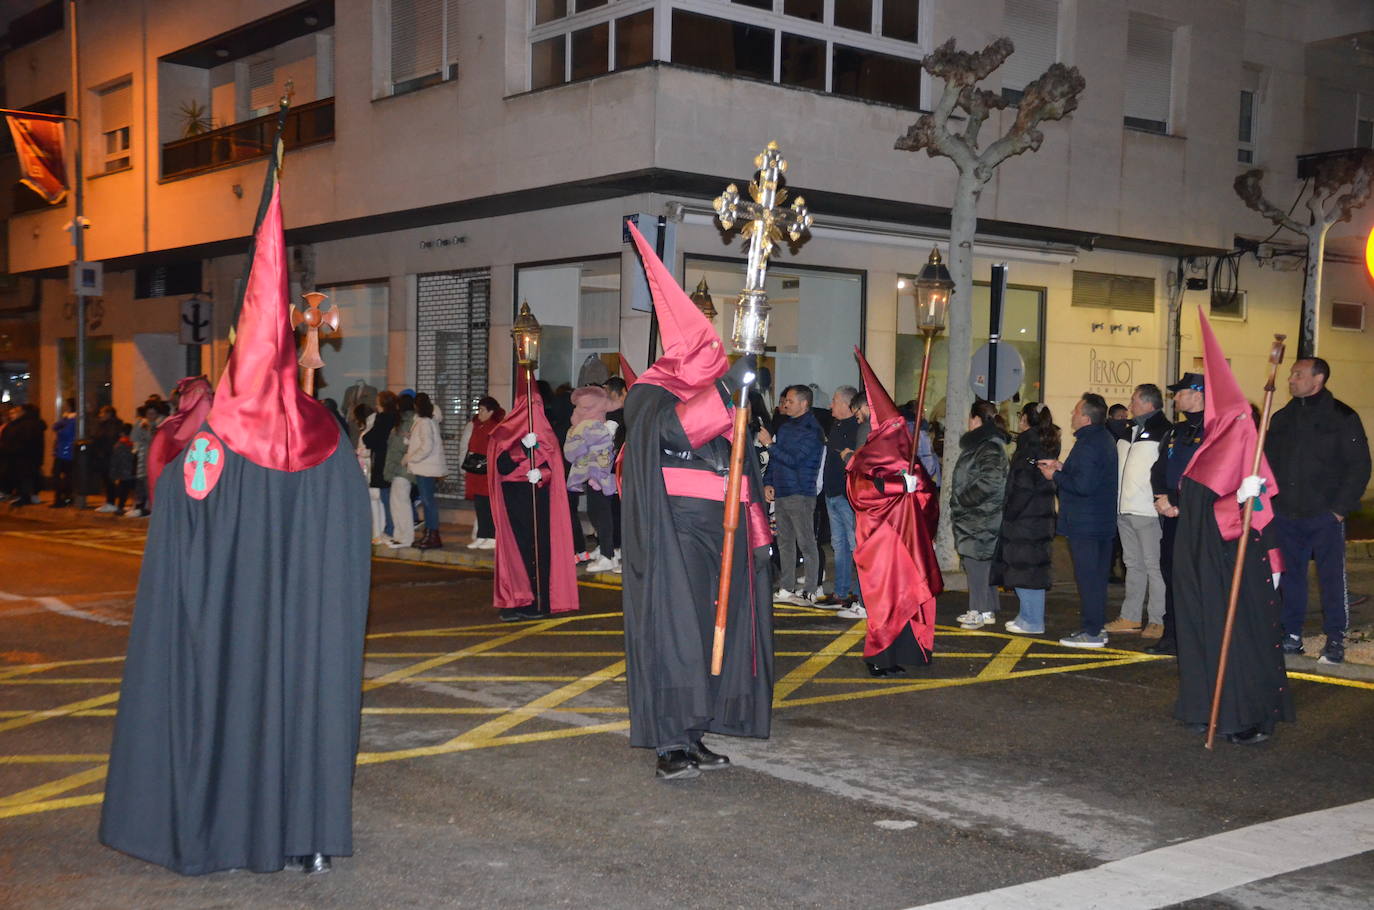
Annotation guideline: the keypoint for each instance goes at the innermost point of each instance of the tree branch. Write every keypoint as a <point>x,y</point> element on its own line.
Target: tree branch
<point>1051,97</point>
<point>1247,187</point>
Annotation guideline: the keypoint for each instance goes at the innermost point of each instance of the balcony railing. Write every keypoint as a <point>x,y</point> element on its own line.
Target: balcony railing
<point>305,125</point>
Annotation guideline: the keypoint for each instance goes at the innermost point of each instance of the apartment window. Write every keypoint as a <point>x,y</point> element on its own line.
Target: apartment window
<point>1033,27</point>
<point>579,39</point>
<point>734,48</point>
<point>1347,315</point>
<point>1113,292</point>
<point>875,77</point>
<point>814,10</point>
<point>116,108</point>
<point>424,45</point>
<point>803,62</point>
<point>1149,74</point>
<point>1248,126</point>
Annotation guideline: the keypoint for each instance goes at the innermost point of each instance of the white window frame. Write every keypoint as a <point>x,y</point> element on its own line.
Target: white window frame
<point>1252,81</point>
<point>1364,316</point>
<point>122,153</point>
<point>773,19</point>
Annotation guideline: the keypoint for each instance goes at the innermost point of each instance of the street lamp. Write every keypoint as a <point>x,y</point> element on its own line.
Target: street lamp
<point>702,298</point>
<point>526,332</point>
<point>933,290</point>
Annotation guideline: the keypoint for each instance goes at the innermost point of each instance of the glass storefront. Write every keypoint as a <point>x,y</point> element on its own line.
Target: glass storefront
<point>99,372</point>
<point>578,304</point>
<point>356,354</point>
<point>816,322</point>
<point>1023,320</point>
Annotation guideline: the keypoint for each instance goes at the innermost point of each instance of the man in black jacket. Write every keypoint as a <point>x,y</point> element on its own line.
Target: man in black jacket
<point>1320,457</point>
<point>1176,449</point>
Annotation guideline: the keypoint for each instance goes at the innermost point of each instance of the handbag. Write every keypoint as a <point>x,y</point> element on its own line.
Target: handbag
<point>475,463</point>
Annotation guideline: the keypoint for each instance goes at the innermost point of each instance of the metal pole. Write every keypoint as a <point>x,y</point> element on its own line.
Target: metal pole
<point>79,244</point>
<point>659,243</point>
<point>999,290</point>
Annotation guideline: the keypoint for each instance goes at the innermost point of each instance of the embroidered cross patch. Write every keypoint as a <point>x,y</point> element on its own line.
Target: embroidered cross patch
<point>202,466</point>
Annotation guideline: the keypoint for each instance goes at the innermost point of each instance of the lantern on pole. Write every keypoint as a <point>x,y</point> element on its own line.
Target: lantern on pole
<point>934,286</point>
<point>526,332</point>
<point>702,298</point>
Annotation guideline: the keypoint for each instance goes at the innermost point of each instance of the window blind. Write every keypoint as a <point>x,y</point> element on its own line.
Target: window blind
<point>1149,70</point>
<point>1114,292</point>
<point>1033,26</point>
<point>421,37</point>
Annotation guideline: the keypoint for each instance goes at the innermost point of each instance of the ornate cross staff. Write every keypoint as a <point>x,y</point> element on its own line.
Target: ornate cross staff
<point>313,319</point>
<point>764,224</point>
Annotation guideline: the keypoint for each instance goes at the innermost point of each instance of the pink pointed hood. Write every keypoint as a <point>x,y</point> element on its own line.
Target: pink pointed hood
<point>693,356</point>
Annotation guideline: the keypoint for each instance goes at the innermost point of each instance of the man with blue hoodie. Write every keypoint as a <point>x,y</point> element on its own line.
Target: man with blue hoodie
<point>1087,512</point>
<point>790,483</point>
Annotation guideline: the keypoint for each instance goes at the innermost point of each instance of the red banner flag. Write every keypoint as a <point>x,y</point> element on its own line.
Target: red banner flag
<point>42,160</point>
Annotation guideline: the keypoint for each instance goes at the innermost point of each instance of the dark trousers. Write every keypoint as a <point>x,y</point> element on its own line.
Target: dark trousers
<point>62,480</point>
<point>486,527</point>
<point>1169,529</point>
<point>523,501</point>
<point>601,511</point>
<point>579,537</point>
<point>119,491</point>
<point>1320,539</point>
<point>1092,561</point>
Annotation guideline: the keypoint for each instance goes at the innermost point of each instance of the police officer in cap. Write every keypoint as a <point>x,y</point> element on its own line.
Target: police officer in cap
<point>1176,449</point>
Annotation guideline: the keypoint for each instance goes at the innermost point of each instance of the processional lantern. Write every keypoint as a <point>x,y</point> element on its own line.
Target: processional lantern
<point>526,332</point>
<point>933,290</point>
<point>702,298</point>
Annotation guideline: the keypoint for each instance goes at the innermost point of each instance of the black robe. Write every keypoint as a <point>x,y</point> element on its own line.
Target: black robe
<point>238,716</point>
<point>671,557</point>
<point>1256,693</point>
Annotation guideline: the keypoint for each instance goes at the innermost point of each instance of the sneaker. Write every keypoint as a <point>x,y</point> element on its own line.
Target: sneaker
<point>1153,630</point>
<point>134,513</point>
<point>979,620</point>
<point>615,563</point>
<point>830,602</point>
<point>107,508</point>
<point>1124,626</point>
<point>1292,644</point>
<point>582,557</point>
<point>1084,640</point>
<point>1016,628</point>
<point>381,540</point>
<point>854,611</point>
<point>816,595</point>
<point>1333,653</point>
<point>969,616</point>
<point>397,545</point>
<point>476,543</point>
<point>489,543</point>
<point>784,596</point>
<point>599,564</point>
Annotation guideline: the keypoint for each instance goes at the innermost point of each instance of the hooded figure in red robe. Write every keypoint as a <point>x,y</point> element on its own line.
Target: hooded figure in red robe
<point>893,552</point>
<point>193,396</point>
<point>1256,694</point>
<point>238,719</point>
<point>678,417</point>
<point>529,506</point>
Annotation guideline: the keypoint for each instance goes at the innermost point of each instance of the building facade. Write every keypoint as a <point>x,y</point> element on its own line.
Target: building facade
<point>448,159</point>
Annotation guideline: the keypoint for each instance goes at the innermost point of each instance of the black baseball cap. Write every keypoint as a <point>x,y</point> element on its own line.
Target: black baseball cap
<point>1192,381</point>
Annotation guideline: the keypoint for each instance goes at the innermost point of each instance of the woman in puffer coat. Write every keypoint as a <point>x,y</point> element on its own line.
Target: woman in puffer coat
<point>980,481</point>
<point>1023,552</point>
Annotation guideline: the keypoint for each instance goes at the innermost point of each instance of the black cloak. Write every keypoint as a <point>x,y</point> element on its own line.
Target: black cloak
<point>1256,693</point>
<point>671,557</point>
<point>238,715</point>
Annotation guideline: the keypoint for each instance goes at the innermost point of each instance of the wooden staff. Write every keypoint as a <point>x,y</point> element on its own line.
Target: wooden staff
<point>739,444</point>
<point>534,493</point>
<point>920,405</point>
<point>1275,358</point>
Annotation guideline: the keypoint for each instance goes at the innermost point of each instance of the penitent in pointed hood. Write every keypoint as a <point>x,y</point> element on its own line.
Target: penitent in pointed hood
<point>1228,442</point>
<point>260,411</point>
<point>880,406</point>
<point>627,372</point>
<point>693,356</point>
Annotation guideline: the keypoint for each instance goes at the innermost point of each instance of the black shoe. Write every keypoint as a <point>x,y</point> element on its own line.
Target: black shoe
<point>316,864</point>
<point>1292,644</point>
<point>1247,737</point>
<point>705,759</point>
<point>875,670</point>
<point>676,765</point>
<point>1334,652</point>
<point>518,614</point>
<point>1163,646</point>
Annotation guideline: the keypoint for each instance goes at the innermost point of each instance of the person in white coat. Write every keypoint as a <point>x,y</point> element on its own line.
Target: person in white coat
<point>424,458</point>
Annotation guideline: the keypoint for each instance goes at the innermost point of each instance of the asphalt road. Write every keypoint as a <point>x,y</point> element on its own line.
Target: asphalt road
<point>495,770</point>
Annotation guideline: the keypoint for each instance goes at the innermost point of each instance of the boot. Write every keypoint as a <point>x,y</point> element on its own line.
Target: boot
<point>431,541</point>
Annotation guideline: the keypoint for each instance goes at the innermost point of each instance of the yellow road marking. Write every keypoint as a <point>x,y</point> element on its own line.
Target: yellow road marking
<point>1332,680</point>
<point>481,678</point>
<point>817,662</point>
<point>53,788</point>
<point>62,711</point>
<point>50,759</point>
<point>1001,666</point>
<point>416,669</point>
<point>372,758</point>
<point>70,802</point>
<point>55,681</point>
<point>7,672</point>
<point>494,728</point>
<point>90,712</point>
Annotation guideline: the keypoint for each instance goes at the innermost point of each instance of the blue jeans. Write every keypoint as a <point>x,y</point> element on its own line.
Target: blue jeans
<point>842,542</point>
<point>390,527</point>
<point>1032,615</point>
<point>427,486</point>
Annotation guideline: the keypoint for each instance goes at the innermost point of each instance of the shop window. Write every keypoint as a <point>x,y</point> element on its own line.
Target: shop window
<point>578,305</point>
<point>357,354</point>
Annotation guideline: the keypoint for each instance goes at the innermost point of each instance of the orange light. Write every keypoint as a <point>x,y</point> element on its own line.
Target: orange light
<point>1369,254</point>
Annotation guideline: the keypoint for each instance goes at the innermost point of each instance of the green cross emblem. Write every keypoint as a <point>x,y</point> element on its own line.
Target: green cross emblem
<point>200,455</point>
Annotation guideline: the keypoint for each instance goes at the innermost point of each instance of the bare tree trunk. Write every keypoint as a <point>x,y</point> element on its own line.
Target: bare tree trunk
<point>1312,291</point>
<point>963,224</point>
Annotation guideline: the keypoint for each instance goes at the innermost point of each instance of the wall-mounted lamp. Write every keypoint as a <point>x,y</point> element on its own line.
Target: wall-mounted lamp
<point>1116,327</point>
<point>1099,326</point>
<point>238,190</point>
<point>1132,329</point>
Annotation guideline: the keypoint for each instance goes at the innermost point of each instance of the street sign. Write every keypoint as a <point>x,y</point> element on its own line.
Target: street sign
<point>665,246</point>
<point>196,320</point>
<point>1011,370</point>
<point>87,279</point>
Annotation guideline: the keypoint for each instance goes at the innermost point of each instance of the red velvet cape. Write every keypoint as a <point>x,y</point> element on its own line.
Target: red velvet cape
<point>512,585</point>
<point>194,397</point>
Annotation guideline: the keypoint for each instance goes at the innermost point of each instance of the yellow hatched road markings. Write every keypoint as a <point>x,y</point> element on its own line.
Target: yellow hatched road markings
<point>811,680</point>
